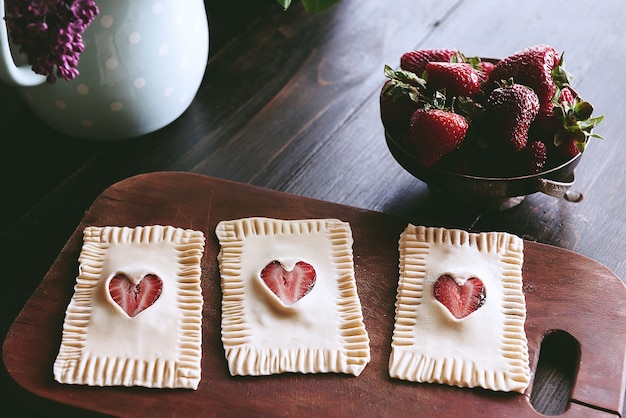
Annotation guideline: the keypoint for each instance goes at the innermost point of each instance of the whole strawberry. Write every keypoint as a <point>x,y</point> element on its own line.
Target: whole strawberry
<point>576,123</point>
<point>509,111</point>
<point>533,158</point>
<point>435,133</point>
<point>566,150</point>
<point>415,61</point>
<point>485,68</point>
<point>565,96</point>
<point>400,96</point>
<point>396,107</point>
<point>546,126</point>
<point>459,79</point>
<point>535,67</point>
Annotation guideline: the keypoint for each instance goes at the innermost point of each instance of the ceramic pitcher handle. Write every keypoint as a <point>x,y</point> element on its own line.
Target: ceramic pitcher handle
<point>9,72</point>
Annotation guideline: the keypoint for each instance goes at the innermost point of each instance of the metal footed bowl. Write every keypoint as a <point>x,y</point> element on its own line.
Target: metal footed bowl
<point>493,193</point>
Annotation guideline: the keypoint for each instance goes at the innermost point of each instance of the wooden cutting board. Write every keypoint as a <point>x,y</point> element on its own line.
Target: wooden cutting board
<point>564,291</point>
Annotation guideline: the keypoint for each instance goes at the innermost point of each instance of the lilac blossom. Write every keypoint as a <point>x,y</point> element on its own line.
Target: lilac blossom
<point>49,33</point>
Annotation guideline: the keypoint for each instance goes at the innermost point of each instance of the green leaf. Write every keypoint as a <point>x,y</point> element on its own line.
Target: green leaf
<point>404,76</point>
<point>468,108</point>
<point>439,99</point>
<point>583,110</point>
<point>284,3</point>
<point>559,138</point>
<point>318,6</point>
<point>579,136</point>
<point>589,124</point>
<point>559,112</point>
<point>560,75</point>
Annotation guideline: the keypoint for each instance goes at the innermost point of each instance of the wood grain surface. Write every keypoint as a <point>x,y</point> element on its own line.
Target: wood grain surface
<point>289,102</point>
<point>558,286</point>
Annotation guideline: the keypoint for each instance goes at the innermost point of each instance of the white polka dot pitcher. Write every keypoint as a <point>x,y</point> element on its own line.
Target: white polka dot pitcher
<point>141,67</point>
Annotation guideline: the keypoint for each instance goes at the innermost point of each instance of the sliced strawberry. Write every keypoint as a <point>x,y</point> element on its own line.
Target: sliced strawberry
<point>459,79</point>
<point>435,133</point>
<point>289,286</point>
<point>461,300</point>
<point>135,298</point>
<point>415,61</point>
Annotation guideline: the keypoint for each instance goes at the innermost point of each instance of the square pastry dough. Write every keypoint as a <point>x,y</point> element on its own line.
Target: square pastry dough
<point>135,318</point>
<point>488,347</point>
<point>321,332</point>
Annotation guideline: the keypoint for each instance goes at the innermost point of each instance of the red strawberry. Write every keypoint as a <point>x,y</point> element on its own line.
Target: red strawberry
<point>485,68</point>
<point>461,300</point>
<point>459,79</point>
<point>415,61</point>
<point>532,67</point>
<point>435,133</point>
<point>534,158</point>
<point>566,150</point>
<point>565,96</point>
<point>396,108</point>
<point>576,124</point>
<point>509,111</point>
<point>546,126</point>
<point>289,286</point>
<point>134,298</point>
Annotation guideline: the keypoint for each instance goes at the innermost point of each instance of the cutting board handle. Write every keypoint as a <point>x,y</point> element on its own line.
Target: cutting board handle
<point>557,366</point>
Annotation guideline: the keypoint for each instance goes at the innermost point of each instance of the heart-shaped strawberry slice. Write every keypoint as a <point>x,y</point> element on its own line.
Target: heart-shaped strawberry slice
<point>135,298</point>
<point>289,286</point>
<point>461,300</point>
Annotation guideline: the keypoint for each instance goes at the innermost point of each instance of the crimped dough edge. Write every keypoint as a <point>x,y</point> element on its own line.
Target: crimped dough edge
<point>244,358</point>
<point>74,366</point>
<point>408,363</point>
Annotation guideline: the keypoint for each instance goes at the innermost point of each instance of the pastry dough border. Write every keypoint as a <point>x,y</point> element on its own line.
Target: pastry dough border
<point>72,366</point>
<point>245,359</point>
<point>407,363</point>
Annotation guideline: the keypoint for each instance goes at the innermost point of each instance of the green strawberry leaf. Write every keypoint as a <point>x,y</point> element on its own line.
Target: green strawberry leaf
<point>475,62</point>
<point>439,99</point>
<point>583,110</point>
<point>560,75</point>
<point>580,136</point>
<point>397,89</point>
<point>588,124</point>
<point>318,6</point>
<point>467,107</point>
<point>559,138</point>
<point>404,83</point>
<point>284,3</point>
<point>311,6</point>
<point>405,77</point>
<point>559,112</point>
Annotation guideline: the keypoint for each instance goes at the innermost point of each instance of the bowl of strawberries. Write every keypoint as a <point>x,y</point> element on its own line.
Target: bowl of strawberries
<point>486,132</point>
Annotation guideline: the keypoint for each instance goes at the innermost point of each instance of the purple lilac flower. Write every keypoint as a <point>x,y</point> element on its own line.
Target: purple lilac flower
<point>49,33</point>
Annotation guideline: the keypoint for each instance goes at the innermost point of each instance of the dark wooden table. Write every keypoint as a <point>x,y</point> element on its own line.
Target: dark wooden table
<point>289,102</point>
